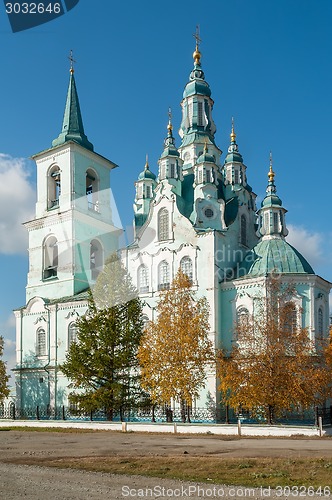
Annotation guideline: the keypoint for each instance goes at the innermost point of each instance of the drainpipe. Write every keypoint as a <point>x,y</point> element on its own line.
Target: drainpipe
<point>21,358</point>
<point>49,351</point>
<point>56,357</point>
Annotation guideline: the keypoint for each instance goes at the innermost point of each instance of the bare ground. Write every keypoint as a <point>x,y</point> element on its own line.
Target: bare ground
<point>21,481</point>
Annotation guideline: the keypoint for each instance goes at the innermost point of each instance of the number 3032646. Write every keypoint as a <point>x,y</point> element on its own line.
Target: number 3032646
<point>33,8</point>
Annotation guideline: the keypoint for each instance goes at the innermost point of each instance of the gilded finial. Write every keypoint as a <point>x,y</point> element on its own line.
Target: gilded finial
<point>72,61</point>
<point>197,55</point>
<point>205,145</point>
<point>146,162</point>
<point>233,134</point>
<point>169,126</point>
<point>271,174</point>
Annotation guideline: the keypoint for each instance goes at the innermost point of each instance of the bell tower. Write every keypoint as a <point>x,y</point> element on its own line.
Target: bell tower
<point>72,232</point>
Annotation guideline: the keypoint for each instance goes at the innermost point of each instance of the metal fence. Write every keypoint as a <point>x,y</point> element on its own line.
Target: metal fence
<point>159,414</point>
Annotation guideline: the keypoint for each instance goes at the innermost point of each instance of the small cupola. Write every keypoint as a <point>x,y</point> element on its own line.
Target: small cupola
<point>272,213</point>
<point>170,163</point>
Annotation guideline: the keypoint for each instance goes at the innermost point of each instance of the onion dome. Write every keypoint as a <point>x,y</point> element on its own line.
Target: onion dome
<point>169,143</point>
<point>197,83</point>
<point>205,157</point>
<point>271,199</point>
<point>233,154</point>
<point>146,174</point>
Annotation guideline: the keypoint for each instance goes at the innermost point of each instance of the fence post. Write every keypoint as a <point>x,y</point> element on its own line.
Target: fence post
<point>320,425</point>
<point>63,413</point>
<point>91,415</point>
<point>14,411</point>
<point>37,413</point>
<point>331,415</point>
<point>239,430</point>
<point>316,415</point>
<point>227,414</point>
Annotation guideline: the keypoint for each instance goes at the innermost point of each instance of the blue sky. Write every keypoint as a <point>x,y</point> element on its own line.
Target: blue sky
<point>268,64</point>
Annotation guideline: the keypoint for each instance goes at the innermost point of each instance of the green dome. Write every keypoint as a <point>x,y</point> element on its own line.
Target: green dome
<point>146,174</point>
<point>271,200</point>
<point>234,156</point>
<point>206,158</point>
<point>274,256</point>
<point>197,87</point>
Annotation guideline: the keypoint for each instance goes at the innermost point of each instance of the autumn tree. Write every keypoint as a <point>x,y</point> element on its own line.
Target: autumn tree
<point>102,363</point>
<point>175,350</point>
<point>4,391</point>
<point>273,365</point>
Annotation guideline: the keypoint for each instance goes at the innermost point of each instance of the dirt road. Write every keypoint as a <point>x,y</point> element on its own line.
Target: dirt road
<point>31,482</point>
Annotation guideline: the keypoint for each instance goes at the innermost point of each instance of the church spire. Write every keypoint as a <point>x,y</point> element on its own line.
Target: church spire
<point>272,213</point>
<point>233,154</point>
<point>72,127</point>
<point>197,122</point>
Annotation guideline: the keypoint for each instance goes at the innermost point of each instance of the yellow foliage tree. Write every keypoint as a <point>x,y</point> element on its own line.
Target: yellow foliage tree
<point>175,350</point>
<point>274,365</point>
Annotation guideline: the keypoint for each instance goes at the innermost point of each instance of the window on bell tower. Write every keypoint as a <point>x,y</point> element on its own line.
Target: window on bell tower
<point>50,258</point>
<point>96,259</point>
<point>92,190</point>
<point>53,187</point>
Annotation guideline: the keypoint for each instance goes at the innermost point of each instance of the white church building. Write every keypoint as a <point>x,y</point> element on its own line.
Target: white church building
<point>197,213</point>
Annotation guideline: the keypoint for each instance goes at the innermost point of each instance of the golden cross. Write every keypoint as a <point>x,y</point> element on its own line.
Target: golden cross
<point>197,37</point>
<point>72,61</point>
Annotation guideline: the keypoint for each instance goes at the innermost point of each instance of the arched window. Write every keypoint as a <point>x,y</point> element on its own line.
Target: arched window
<point>92,190</point>
<point>163,224</point>
<point>186,267</point>
<point>163,276</point>
<point>50,258</point>
<point>242,316</point>
<point>41,342</point>
<point>145,321</point>
<point>53,187</point>
<point>72,333</point>
<point>320,322</point>
<point>143,279</point>
<point>243,230</point>
<point>96,258</point>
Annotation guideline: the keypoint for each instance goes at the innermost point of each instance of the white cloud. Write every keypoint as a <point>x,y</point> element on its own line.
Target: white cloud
<point>17,198</point>
<point>308,243</point>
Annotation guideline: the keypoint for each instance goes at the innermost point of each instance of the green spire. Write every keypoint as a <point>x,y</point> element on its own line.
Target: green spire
<point>72,127</point>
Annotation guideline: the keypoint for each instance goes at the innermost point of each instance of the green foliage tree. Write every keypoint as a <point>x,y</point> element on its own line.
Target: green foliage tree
<point>4,391</point>
<point>274,365</point>
<point>175,350</point>
<point>102,363</point>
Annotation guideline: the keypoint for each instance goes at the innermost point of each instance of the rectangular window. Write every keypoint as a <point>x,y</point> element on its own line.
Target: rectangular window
<point>200,114</point>
<point>236,176</point>
<point>190,113</point>
<point>148,191</point>
<point>200,177</point>
<point>162,170</point>
<point>275,222</point>
<point>172,170</point>
<point>208,176</point>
